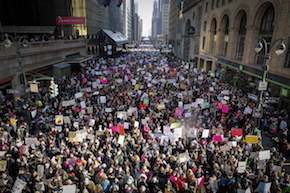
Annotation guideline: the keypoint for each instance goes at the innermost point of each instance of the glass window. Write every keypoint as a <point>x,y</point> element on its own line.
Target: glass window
<point>241,37</point>
<point>204,26</point>
<point>203,42</point>
<point>226,37</point>
<point>212,4</point>
<point>287,61</point>
<point>217,3</point>
<point>206,6</point>
<point>223,2</point>
<point>266,32</point>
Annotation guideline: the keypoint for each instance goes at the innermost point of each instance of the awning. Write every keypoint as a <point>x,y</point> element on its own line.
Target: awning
<point>29,29</point>
<point>77,59</point>
<point>61,65</point>
<point>207,59</point>
<point>117,37</point>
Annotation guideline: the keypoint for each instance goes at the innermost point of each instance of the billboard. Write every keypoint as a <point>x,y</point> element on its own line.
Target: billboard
<point>70,20</point>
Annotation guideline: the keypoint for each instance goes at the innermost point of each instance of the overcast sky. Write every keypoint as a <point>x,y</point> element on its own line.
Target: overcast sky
<point>145,12</point>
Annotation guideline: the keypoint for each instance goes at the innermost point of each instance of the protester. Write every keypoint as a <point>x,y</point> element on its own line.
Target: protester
<point>140,123</point>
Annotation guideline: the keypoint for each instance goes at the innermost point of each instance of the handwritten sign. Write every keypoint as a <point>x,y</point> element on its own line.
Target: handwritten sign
<point>237,132</point>
<point>263,155</point>
<point>252,139</point>
<point>69,189</point>
<point>18,186</point>
<point>205,133</point>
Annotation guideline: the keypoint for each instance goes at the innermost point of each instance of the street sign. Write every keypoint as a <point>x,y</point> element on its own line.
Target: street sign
<point>284,92</point>
<point>263,85</point>
<point>272,100</point>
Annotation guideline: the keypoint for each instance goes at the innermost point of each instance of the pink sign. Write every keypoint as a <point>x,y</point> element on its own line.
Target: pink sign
<point>217,138</point>
<point>220,105</point>
<point>172,178</point>
<point>70,20</point>
<point>104,81</point>
<point>178,111</point>
<point>115,129</point>
<point>225,109</point>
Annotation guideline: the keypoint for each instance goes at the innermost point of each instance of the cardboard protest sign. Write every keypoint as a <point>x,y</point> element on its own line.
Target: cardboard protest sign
<point>241,167</point>
<point>263,155</point>
<point>69,188</point>
<point>217,138</point>
<point>252,139</point>
<point>205,133</point>
<point>237,132</point>
<point>103,99</point>
<point>18,186</point>
<point>58,119</point>
<point>3,165</point>
<point>40,171</point>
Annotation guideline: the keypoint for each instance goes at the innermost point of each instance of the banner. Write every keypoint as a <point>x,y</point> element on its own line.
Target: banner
<point>237,132</point>
<point>70,20</point>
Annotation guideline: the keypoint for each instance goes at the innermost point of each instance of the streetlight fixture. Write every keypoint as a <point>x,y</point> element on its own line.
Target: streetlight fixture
<point>280,49</point>
<point>21,42</point>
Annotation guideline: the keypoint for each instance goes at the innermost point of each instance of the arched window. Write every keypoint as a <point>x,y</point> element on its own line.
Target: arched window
<point>226,24</point>
<point>266,32</point>
<point>213,31</point>
<point>241,36</point>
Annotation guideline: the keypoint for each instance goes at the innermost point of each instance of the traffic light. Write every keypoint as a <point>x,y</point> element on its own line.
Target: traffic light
<point>53,89</point>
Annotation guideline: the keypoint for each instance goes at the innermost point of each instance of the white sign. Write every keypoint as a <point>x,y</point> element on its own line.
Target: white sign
<point>108,110</point>
<point>78,95</point>
<point>263,85</point>
<point>33,113</point>
<point>264,155</point>
<point>69,188</point>
<point>83,104</point>
<point>205,133</point>
<point>102,99</point>
<point>241,167</point>
<point>18,186</point>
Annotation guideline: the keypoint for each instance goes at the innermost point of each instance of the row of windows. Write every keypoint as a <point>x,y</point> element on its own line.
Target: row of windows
<point>265,32</point>
<point>216,3</point>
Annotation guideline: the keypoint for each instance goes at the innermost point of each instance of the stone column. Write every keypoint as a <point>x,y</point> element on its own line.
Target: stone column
<point>250,43</point>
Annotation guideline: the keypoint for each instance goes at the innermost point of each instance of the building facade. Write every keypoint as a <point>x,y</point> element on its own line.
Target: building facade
<point>230,32</point>
<point>174,20</point>
<point>164,18</point>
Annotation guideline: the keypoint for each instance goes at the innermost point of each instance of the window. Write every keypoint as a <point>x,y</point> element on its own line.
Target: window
<point>212,4</point>
<point>217,3</point>
<point>203,42</point>
<point>204,26</point>
<point>223,2</point>
<point>226,36</point>
<point>241,37</point>
<point>230,1</point>
<point>213,36</point>
<point>206,7</point>
<point>266,32</point>
<point>287,60</point>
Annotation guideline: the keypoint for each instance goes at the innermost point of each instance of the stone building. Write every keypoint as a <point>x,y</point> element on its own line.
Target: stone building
<point>230,32</point>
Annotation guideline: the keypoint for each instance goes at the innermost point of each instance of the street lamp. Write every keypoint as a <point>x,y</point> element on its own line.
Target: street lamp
<point>22,42</point>
<point>280,49</point>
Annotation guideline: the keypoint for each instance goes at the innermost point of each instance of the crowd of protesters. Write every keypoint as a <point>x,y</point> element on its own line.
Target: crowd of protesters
<point>140,123</point>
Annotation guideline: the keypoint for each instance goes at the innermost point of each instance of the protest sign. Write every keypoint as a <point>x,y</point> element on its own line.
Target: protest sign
<point>205,105</point>
<point>90,110</point>
<point>248,190</point>
<point>103,99</point>
<point>122,115</point>
<point>83,104</point>
<point>78,95</point>
<point>31,140</point>
<point>40,171</point>
<point>217,138</point>
<point>33,113</point>
<point>121,140</point>
<point>178,112</point>
<point>263,155</point>
<point>66,120</point>
<point>252,139</point>
<point>183,157</point>
<point>136,124</point>
<point>237,132</point>
<point>2,153</point>
<point>69,189</point>
<point>187,106</point>
<point>225,109</point>
<point>241,167</point>
<point>205,133</point>
<point>108,110</point>
<point>187,115</point>
<point>126,125</point>
<point>58,119</point>
<point>18,186</point>
<point>263,187</point>
<point>92,122</point>
<point>3,165</point>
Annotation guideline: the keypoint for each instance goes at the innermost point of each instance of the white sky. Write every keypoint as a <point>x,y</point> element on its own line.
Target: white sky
<point>145,12</point>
